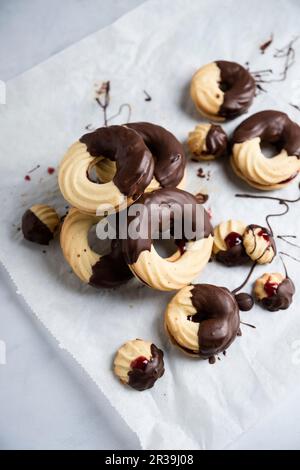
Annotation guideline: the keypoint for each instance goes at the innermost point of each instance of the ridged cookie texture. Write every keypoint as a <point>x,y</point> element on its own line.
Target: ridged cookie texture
<point>79,190</point>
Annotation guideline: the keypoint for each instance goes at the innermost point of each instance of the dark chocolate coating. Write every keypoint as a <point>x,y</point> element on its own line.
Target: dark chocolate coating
<point>144,379</point>
<point>273,127</point>
<point>244,301</point>
<point>167,152</point>
<point>272,243</point>
<point>283,297</point>
<point>239,88</point>
<point>216,141</point>
<point>160,200</point>
<point>111,270</point>
<point>134,161</point>
<point>35,230</point>
<point>218,312</point>
<point>234,256</point>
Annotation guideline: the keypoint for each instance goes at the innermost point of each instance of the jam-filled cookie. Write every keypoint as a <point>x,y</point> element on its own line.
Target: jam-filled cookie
<point>139,364</point>
<point>274,291</point>
<point>192,254</point>
<point>207,142</point>
<point>222,90</point>
<point>259,244</point>
<point>40,223</point>
<point>248,160</point>
<point>228,245</point>
<point>202,320</point>
<point>99,271</point>
<point>138,151</point>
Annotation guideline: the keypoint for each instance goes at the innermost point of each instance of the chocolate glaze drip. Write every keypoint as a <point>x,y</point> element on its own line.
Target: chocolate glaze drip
<point>239,88</point>
<point>273,127</point>
<point>167,151</point>
<point>216,141</point>
<point>218,312</point>
<point>283,297</point>
<point>159,200</point>
<point>111,270</point>
<point>35,230</point>
<point>135,164</point>
<point>144,379</point>
<point>271,244</point>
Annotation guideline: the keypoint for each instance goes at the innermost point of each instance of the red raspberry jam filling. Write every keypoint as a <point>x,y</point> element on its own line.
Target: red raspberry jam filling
<point>264,234</point>
<point>139,363</point>
<point>233,239</point>
<point>271,288</point>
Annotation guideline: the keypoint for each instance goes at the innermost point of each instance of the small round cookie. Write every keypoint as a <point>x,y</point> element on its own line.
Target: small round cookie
<point>274,291</point>
<point>259,244</point>
<point>202,320</point>
<point>98,271</point>
<point>193,253</point>
<point>39,224</point>
<point>228,245</point>
<point>222,90</point>
<point>139,364</point>
<point>207,142</point>
<point>248,161</point>
<point>245,301</point>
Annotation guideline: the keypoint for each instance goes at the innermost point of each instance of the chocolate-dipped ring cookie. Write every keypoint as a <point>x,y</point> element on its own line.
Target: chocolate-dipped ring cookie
<point>248,160</point>
<point>167,152</point>
<point>99,271</point>
<point>39,224</point>
<point>139,364</point>
<point>207,142</point>
<point>222,90</point>
<point>259,244</point>
<point>192,256</point>
<point>228,245</point>
<point>134,163</point>
<point>274,291</point>
<point>202,320</point>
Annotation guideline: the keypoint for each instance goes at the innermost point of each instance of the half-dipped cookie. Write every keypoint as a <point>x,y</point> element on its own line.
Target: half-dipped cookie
<point>139,364</point>
<point>274,291</point>
<point>207,142</point>
<point>40,223</point>
<point>222,90</point>
<point>99,271</point>
<point>202,320</point>
<point>228,245</point>
<point>248,160</point>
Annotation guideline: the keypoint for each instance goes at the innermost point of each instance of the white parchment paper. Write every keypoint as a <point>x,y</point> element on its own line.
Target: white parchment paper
<point>155,48</point>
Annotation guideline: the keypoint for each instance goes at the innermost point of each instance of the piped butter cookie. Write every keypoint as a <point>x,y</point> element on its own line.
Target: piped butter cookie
<point>40,223</point>
<point>222,90</point>
<point>139,364</point>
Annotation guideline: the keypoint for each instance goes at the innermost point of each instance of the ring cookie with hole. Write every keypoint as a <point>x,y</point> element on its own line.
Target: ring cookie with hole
<point>248,161</point>
<point>274,291</point>
<point>99,271</point>
<point>40,223</point>
<point>207,142</point>
<point>193,252</point>
<point>136,152</point>
<point>222,90</point>
<point>202,320</point>
<point>139,364</point>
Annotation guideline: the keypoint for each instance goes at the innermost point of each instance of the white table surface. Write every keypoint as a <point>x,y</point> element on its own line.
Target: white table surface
<point>46,400</point>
